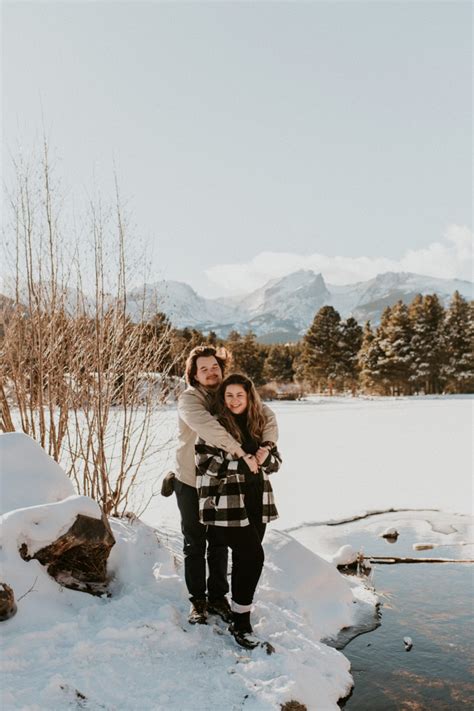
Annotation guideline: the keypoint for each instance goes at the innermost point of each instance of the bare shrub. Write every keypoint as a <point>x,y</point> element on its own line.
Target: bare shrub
<point>77,374</point>
<point>281,391</point>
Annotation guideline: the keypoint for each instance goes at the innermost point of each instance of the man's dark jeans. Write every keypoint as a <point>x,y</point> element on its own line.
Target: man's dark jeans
<point>194,549</point>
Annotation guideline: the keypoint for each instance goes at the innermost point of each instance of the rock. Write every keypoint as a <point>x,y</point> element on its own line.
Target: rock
<point>293,706</point>
<point>7,602</point>
<point>350,561</point>
<point>345,555</point>
<point>167,485</point>
<point>78,559</point>
<point>390,534</point>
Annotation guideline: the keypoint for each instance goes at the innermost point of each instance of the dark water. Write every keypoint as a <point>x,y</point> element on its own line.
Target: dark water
<point>431,603</point>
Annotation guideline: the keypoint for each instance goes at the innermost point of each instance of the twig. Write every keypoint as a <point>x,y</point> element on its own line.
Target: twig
<point>28,591</point>
<point>388,560</point>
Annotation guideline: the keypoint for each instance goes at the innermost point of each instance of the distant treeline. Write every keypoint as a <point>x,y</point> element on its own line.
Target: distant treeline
<point>417,348</point>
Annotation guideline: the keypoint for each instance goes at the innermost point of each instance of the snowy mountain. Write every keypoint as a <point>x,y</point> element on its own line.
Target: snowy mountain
<point>295,297</point>
<point>366,300</point>
<point>282,309</point>
<point>183,306</point>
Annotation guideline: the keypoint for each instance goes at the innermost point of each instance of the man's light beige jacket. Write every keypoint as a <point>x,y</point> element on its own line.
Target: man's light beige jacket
<point>195,420</point>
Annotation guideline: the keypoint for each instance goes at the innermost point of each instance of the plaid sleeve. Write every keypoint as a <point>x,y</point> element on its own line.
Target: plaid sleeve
<point>272,462</point>
<point>212,461</point>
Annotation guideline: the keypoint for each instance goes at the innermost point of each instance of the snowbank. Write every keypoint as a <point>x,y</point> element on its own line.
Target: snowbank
<point>28,476</point>
<point>136,649</point>
<point>293,573</point>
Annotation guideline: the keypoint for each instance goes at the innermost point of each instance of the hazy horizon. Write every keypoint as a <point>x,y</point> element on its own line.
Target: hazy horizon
<point>255,139</point>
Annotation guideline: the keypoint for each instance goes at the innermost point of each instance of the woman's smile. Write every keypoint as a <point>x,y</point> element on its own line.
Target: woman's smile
<point>236,399</point>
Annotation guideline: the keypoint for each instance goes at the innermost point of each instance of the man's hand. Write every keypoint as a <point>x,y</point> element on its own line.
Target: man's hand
<point>252,463</point>
<point>262,454</point>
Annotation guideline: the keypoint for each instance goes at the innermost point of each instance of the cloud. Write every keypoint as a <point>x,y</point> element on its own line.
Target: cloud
<point>449,259</point>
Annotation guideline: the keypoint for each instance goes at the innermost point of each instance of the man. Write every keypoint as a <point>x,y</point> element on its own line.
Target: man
<point>205,368</point>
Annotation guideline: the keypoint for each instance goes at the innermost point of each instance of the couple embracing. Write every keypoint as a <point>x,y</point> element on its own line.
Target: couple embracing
<point>226,450</point>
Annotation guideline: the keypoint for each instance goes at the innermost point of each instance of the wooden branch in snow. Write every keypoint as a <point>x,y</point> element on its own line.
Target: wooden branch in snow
<point>390,560</point>
<point>32,589</point>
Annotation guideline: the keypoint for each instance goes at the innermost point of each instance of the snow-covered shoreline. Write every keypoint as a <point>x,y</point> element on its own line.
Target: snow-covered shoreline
<point>343,457</point>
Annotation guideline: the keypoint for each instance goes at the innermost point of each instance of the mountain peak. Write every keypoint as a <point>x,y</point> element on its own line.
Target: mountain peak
<point>297,279</point>
<point>284,307</point>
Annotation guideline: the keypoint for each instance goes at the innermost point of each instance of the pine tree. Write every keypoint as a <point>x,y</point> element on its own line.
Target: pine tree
<point>321,350</point>
<point>212,338</point>
<point>369,358</point>
<point>182,342</point>
<point>248,356</point>
<point>458,338</point>
<point>350,344</point>
<point>279,364</point>
<point>394,338</point>
<point>426,316</point>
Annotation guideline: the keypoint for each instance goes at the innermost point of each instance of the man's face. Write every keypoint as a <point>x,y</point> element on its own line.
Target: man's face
<point>208,373</point>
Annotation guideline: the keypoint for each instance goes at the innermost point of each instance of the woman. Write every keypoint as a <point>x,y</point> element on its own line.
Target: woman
<point>235,495</point>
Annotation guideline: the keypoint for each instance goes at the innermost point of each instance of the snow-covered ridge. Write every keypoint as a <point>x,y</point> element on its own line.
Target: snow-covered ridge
<point>283,308</point>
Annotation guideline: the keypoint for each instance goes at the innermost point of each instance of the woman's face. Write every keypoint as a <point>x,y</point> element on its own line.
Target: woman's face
<point>236,399</point>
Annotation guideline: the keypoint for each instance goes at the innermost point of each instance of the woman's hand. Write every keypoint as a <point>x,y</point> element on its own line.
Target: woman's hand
<point>262,454</point>
<point>252,463</point>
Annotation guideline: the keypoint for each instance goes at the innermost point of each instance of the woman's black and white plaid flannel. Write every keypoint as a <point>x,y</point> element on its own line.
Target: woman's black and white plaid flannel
<point>220,483</point>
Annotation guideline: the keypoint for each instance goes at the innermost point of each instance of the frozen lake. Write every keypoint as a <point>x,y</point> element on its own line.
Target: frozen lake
<point>344,456</point>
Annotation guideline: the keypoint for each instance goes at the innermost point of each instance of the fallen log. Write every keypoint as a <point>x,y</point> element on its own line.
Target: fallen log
<point>391,560</point>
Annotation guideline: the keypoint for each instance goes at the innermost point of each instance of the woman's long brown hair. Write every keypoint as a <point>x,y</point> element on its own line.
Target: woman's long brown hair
<point>255,415</point>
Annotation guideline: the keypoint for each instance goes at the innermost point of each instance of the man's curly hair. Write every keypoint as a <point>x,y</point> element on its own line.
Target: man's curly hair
<point>205,351</point>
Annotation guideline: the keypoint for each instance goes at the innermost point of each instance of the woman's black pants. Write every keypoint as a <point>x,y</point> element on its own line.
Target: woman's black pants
<point>247,556</point>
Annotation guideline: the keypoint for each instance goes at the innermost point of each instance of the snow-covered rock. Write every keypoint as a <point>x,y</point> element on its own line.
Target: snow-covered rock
<point>346,555</point>
<point>28,476</point>
<point>36,526</point>
<point>389,532</point>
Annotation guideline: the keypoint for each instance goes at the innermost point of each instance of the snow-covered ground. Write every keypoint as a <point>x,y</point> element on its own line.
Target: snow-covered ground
<point>345,456</point>
<point>135,650</point>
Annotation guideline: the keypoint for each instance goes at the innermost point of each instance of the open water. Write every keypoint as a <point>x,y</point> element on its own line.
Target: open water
<point>431,603</point>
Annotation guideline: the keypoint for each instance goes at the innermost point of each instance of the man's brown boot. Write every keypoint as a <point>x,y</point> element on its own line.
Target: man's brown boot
<point>198,612</point>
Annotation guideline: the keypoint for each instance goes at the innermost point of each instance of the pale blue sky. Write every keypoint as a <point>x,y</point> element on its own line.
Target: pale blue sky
<point>327,128</point>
